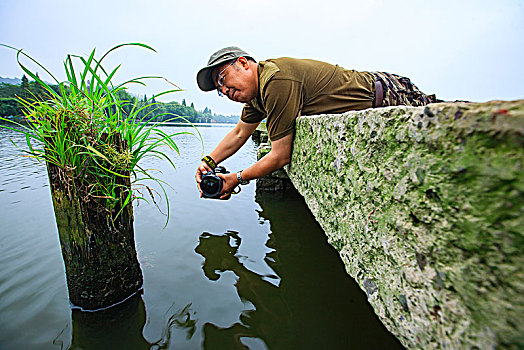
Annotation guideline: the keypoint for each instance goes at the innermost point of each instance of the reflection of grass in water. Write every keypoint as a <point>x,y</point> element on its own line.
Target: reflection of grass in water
<point>92,134</point>
<point>179,319</point>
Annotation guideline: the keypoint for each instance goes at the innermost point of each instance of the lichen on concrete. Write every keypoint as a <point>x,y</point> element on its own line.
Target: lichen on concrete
<point>426,208</point>
<point>260,134</point>
<point>278,180</point>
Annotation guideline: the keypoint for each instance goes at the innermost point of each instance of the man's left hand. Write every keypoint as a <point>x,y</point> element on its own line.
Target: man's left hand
<point>229,184</point>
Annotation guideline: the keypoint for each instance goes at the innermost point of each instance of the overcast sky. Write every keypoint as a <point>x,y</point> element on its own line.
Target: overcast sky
<point>459,49</point>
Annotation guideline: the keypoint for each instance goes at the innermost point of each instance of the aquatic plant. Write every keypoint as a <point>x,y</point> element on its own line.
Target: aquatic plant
<point>84,129</point>
<point>93,140</point>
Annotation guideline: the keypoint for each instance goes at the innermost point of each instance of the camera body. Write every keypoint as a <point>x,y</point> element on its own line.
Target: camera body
<point>211,184</point>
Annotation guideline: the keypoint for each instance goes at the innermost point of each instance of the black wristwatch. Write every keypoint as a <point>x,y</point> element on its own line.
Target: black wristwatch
<point>239,178</point>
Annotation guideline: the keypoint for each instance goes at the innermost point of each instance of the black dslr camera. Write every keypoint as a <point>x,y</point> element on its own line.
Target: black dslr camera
<point>211,184</point>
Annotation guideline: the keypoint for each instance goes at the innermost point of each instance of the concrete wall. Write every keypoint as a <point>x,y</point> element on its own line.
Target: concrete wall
<point>426,208</point>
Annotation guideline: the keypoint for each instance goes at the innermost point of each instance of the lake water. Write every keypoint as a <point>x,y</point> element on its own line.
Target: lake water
<point>254,272</point>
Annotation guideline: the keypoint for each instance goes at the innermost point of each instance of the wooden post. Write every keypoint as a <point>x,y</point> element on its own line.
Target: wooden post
<point>99,254</point>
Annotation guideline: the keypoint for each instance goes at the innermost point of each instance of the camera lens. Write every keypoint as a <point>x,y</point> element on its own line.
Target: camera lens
<point>210,185</point>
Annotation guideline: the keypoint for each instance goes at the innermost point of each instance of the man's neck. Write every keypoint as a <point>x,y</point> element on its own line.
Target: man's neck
<point>254,66</point>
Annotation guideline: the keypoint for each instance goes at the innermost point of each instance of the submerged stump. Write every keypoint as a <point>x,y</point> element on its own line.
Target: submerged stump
<point>99,251</point>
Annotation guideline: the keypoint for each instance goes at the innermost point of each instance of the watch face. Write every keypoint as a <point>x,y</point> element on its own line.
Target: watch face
<point>239,178</point>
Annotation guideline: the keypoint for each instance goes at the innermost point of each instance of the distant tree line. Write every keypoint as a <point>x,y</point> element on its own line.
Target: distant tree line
<point>10,105</point>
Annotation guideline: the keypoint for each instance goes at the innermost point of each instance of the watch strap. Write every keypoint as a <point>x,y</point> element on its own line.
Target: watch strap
<point>239,178</point>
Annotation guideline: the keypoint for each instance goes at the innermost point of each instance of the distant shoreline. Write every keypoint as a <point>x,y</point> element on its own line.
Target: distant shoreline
<point>205,125</point>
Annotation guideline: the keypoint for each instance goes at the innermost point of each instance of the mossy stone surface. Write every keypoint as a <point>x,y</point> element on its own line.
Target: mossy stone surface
<point>426,208</point>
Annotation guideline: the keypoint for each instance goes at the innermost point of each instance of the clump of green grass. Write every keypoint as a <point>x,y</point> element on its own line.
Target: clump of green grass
<point>83,130</point>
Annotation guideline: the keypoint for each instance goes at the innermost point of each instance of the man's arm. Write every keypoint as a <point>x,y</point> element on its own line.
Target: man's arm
<point>279,156</point>
<point>232,142</point>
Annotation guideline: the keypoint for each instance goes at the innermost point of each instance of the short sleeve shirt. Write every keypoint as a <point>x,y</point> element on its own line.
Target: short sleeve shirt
<point>289,88</point>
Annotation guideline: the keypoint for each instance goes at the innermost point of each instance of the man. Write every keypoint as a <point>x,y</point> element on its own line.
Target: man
<point>283,89</point>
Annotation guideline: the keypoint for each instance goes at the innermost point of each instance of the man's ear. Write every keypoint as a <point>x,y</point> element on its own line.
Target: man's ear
<point>244,63</point>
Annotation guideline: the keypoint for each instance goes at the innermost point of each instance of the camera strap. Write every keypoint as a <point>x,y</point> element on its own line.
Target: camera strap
<point>236,190</point>
<point>209,161</point>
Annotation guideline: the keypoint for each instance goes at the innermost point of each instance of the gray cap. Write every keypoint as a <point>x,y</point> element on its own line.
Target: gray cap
<point>204,78</point>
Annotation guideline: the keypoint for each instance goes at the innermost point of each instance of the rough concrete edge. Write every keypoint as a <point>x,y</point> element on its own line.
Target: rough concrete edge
<point>467,118</point>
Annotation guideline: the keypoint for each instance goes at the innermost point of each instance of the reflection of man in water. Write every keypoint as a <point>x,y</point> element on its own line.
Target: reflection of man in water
<point>270,321</point>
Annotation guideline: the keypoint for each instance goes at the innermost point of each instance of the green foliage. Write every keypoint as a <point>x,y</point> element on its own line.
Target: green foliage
<point>92,131</point>
<point>168,110</point>
<point>25,91</point>
<point>9,106</point>
<point>9,91</point>
<point>9,94</point>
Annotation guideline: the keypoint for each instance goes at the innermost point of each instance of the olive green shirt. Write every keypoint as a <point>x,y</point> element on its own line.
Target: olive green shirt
<point>289,88</point>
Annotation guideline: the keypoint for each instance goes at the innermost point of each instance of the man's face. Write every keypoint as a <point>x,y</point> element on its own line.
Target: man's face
<point>239,80</point>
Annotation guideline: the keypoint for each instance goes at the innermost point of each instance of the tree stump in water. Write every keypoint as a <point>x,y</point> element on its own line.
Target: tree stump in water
<point>99,252</point>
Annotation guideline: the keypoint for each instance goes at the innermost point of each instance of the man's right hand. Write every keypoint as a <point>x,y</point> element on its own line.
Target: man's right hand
<point>203,168</point>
